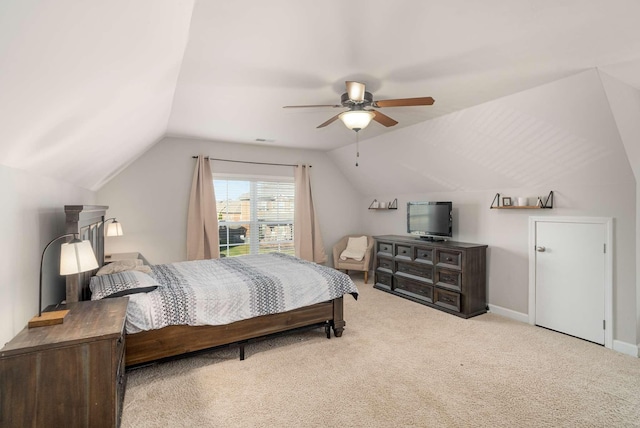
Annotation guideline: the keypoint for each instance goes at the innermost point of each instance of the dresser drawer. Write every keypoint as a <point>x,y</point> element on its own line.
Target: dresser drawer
<point>384,279</point>
<point>449,279</point>
<point>423,255</point>
<point>449,258</point>
<point>416,271</point>
<point>121,383</point>
<point>385,264</point>
<point>384,248</point>
<point>447,299</point>
<point>416,289</point>
<point>403,252</point>
<point>120,346</point>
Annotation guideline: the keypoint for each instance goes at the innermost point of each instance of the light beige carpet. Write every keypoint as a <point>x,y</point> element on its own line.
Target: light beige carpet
<point>398,363</point>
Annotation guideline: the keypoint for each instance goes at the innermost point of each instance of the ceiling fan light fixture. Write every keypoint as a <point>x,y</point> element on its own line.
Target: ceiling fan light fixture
<point>357,119</point>
<point>356,91</point>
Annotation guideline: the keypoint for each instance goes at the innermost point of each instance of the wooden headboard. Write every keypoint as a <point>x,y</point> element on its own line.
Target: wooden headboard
<point>88,222</point>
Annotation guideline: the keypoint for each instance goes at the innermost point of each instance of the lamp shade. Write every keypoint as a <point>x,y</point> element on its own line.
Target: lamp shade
<point>77,256</point>
<point>357,119</point>
<point>114,229</point>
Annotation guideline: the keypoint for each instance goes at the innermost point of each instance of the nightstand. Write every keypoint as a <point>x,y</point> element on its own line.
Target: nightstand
<point>70,374</point>
<point>108,258</point>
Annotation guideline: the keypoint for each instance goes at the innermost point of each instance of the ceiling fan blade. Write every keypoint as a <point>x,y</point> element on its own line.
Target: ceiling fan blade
<point>329,122</point>
<point>316,105</point>
<point>405,102</point>
<point>383,119</point>
<point>355,91</point>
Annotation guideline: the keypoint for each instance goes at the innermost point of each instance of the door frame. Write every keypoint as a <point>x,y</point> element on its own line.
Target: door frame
<point>608,267</point>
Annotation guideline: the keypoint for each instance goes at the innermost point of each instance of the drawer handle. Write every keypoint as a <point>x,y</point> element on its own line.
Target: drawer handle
<point>449,259</point>
<point>446,299</point>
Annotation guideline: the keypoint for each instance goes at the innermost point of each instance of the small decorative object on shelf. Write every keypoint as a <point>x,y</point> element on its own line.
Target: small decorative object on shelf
<point>507,203</point>
<point>375,205</point>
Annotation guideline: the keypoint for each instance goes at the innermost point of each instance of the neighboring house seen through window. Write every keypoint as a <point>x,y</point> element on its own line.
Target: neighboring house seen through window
<point>255,216</point>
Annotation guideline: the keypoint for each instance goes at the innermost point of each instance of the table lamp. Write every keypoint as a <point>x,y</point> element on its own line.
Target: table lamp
<point>114,228</point>
<point>75,256</point>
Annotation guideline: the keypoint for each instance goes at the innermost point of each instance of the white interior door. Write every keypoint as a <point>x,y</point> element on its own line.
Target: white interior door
<point>570,268</point>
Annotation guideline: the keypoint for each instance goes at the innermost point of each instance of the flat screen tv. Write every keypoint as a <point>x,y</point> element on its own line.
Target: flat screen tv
<point>430,220</point>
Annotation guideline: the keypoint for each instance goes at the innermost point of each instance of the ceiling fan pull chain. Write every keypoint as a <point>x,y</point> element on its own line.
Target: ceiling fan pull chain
<point>357,148</point>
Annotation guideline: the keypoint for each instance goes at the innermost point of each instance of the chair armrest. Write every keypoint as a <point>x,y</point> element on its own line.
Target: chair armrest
<point>337,250</point>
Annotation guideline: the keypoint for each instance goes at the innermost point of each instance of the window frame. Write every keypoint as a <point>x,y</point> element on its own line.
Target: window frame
<point>254,244</point>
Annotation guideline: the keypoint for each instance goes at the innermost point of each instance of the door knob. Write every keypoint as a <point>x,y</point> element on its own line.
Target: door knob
<point>540,249</point>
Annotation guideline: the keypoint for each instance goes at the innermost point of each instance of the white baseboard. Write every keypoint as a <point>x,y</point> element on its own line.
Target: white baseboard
<point>508,313</point>
<point>618,345</point>
<point>626,348</point>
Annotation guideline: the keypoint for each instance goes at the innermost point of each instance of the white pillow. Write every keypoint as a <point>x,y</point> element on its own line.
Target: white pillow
<point>122,266</point>
<point>356,247</point>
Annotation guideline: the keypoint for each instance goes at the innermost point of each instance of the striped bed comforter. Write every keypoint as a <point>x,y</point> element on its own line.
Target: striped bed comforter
<point>222,291</point>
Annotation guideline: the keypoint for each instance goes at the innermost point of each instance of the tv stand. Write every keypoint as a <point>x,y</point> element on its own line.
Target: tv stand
<point>449,276</point>
<point>431,239</point>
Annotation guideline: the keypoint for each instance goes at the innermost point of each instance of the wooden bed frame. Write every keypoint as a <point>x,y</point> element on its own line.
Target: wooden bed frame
<point>152,345</point>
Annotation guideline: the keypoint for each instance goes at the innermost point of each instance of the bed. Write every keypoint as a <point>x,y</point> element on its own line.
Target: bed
<point>166,341</point>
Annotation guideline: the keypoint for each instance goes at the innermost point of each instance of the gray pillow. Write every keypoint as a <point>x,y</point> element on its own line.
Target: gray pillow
<point>121,284</point>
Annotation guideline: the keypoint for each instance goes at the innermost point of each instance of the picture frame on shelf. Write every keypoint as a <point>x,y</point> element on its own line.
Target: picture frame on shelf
<point>506,201</point>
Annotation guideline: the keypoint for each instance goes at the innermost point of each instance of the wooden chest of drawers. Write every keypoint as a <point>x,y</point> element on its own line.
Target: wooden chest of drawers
<point>67,375</point>
<point>450,276</point>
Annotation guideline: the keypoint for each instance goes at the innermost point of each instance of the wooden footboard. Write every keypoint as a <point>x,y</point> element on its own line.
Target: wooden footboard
<point>170,341</point>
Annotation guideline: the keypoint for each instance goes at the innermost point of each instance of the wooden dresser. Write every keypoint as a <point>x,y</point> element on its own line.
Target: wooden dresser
<point>67,375</point>
<point>446,275</point>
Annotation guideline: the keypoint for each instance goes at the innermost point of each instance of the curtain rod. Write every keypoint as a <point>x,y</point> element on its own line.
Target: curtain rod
<point>255,163</point>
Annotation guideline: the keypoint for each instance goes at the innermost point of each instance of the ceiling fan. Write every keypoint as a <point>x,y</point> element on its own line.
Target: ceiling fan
<point>360,104</point>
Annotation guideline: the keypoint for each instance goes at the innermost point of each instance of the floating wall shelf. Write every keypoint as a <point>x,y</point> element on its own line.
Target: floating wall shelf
<point>545,203</point>
<point>375,205</point>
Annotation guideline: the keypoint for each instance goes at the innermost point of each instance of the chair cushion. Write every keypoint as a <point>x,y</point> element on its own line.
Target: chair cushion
<point>356,248</point>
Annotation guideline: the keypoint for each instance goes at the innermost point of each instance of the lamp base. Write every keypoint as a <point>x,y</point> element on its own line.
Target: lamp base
<point>48,318</point>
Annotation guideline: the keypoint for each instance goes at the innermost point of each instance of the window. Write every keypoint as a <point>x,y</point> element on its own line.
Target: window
<point>255,216</point>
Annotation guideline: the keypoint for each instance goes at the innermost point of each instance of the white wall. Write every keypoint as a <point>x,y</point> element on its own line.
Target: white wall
<point>560,137</point>
<point>32,214</point>
<point>150,197</point>
<point>625,106</point>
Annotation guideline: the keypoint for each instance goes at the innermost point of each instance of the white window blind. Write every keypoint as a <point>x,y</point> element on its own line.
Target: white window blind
<point>255,215</point>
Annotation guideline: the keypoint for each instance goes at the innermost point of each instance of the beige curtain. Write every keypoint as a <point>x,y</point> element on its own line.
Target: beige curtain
<point>306,238</point>
<point>203,241</point>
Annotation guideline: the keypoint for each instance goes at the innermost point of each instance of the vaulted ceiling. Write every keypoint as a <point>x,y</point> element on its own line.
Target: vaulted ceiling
<point>88,86</point>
